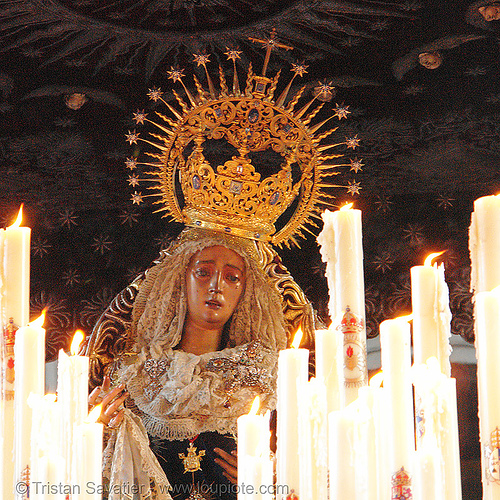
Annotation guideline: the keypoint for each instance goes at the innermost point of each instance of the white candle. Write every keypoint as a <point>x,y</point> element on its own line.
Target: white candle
<point>341,454</point>
<point>52,485</point>
<point>438,423</point>
<point>29,352</point>
<point>431,314</point>
<point>450,445</point>
<point>72,390</point>
<point>487,309</point>
<point>88,458</point>
<point>484,244</point>
<point>342,249</point>
<point>2,382</point>
<point>329,361</point>
<point>429,466</point>
<point>45,438</point>
<point>253,430</point>
<point>255,468</point>
<point>429,483</point>
<point>292,369</point>
<point>16,273</point>
<point>256,479</point>
<point>14,312</point>
<point>369,447</point>
<point>313,442</point>
<point>384,441</point>
<point>396,365</point>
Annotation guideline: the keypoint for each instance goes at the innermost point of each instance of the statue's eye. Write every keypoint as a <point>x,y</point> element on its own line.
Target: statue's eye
<point>202,272</point>
<point>233,278</point>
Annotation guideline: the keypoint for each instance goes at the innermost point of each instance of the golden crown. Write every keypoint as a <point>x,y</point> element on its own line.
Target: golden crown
<point>234,197</point>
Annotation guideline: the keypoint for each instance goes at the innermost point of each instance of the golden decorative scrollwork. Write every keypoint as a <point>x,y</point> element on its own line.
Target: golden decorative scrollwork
<point>236,197</point>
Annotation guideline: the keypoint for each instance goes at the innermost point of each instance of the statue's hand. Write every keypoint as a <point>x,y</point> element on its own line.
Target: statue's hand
<point>229,462</point>
<point>112,402</point>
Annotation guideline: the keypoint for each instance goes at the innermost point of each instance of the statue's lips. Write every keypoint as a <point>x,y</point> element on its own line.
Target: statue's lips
<point>213,304</point>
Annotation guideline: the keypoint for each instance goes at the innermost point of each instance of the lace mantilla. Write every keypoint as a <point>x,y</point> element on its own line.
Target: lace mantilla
<point>130,467</point>
<point>179,394</point>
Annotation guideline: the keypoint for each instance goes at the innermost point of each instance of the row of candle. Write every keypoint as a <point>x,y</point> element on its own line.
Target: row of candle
<point>295,425</point>
<point>363,446</point>
<point>331,406</point>
<point>53,448</point>
<point>327,425</point>
<point>59,442</point>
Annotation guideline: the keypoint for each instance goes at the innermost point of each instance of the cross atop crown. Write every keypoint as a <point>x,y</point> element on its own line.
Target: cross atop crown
<point>269,43</point>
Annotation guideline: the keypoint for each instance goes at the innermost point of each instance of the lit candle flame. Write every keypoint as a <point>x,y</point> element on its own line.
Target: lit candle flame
<point>377,379</point>
<point>19,219</point>
<point>38,322</point>
<point>76,342</point>
<point>93,415</point>
<point>431,257</point>
<point>255,406</point>
<point>347,206</point>
<point>297,339</point>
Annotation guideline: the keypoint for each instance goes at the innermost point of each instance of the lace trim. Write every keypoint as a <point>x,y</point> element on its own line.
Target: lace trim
<point>179,395</point>
<point>130,466</point>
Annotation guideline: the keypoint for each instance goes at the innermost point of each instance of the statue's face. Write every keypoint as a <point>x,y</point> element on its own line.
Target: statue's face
<point>490,12</point>
<point>430,60</point>
<point>215,282</point>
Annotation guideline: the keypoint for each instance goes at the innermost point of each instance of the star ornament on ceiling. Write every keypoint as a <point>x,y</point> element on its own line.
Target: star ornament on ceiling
<point>445,202</point>
<point>40,247</point>
<point>383,262</point>
<point>414,233</point>
<point>129,217</point>
<point>101,244</point>
<point>71,277</point>
<point>383,204</point>
<point>67,218</point>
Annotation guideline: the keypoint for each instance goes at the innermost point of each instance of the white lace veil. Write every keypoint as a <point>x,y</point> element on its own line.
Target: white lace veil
<point>157,322</point>
<point>161,305</point>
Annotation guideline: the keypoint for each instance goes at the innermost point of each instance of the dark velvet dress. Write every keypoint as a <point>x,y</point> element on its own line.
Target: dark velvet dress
<point>209,481</point>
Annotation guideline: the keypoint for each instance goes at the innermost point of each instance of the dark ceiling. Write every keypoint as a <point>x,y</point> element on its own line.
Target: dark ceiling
<point>429,137</point>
